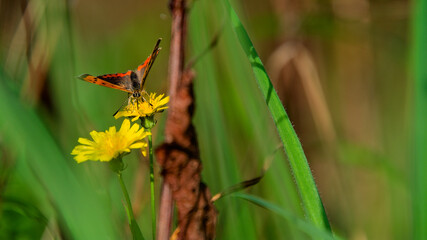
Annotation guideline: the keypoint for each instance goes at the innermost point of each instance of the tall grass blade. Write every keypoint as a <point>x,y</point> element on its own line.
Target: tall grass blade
<point>311,201</point>
<point>136,231</point>
<point>301,224</point>
<point>229,107</point>
<point>420,130</point>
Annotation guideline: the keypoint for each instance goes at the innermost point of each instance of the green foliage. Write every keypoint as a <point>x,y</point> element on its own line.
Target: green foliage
<point>25,133</point>
<point>301,224</point>
<point>311,202</point>
<point>420,134</point>
<point>359,49</point>
<point>230,116</point>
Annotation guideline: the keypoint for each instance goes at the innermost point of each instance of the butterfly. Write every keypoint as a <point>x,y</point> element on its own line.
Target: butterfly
<point>131,81</point>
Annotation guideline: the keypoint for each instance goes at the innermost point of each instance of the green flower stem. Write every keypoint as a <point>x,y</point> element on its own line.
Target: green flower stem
<point>153,203</point>
<point>134,228</point>
<point>148,122</point>
<point>129,209</point>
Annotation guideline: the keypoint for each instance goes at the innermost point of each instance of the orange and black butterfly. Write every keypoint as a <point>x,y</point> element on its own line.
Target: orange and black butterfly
<point>130,81</point>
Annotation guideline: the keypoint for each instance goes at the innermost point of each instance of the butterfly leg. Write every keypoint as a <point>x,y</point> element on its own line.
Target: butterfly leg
<point>134,99</point>
<point>147,95</point>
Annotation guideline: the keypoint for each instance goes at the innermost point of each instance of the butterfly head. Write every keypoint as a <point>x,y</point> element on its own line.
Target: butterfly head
<point>136,94</point>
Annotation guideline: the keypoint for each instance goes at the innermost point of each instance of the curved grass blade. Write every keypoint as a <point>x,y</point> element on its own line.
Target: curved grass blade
<point>136,232</point>
<point>310,198</point>
<point>303,225</point>
<point>25,209</point>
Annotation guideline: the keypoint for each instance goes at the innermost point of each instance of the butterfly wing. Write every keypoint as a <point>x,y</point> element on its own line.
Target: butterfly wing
<point>143,69</point>
<point>127,81</point>
<point>120,81</point>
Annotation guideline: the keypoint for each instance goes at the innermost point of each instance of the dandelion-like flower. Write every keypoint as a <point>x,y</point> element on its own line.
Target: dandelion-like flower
<point>138,108</point>
<point>111,144</point>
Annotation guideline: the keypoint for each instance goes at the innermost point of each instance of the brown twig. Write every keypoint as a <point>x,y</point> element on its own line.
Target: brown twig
<point>179,155</point>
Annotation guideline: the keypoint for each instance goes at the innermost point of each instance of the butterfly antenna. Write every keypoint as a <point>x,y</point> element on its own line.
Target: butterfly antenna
<point>147,95</point>
<point>157,45</point>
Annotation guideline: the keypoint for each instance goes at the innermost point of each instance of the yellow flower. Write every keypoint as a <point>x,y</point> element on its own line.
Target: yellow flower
<point>110,144</point>
<point>138,108</point>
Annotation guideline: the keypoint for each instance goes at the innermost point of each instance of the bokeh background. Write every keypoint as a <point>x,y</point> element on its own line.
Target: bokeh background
<point>341,69</point>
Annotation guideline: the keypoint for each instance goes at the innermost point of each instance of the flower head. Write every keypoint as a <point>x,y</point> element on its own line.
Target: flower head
<point>140,108</point>
<point>110,144</point>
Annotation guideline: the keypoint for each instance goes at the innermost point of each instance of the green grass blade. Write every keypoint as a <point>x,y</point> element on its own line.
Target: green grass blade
<point>234,221</point>
<point>301,224</point>
<point>311,201</point>
<point>85,214</point>
<point>136,231</point>
<point>420,133</point>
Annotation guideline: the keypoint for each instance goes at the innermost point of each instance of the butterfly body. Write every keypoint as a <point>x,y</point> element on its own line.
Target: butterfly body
<point>131,81</point>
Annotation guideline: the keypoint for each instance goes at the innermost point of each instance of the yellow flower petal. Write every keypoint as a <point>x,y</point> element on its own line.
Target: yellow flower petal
<point>135,118</point>
<point>137,145</point>
<point>144,152</point>
<point>112,130</point>
<point>85,141</point>
<point>125,126</point>
<point>139,108</point>
<point>110,144</point>
<point>134,128</point>
<point>164,101</point>
<point>95,135</point>
<point>119,114</point>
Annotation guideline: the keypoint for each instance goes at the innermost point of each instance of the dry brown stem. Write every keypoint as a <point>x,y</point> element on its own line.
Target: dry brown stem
<point>179,155</point>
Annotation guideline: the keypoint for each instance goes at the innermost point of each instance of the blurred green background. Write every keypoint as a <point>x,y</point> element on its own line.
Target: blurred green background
<point>341,69</point>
